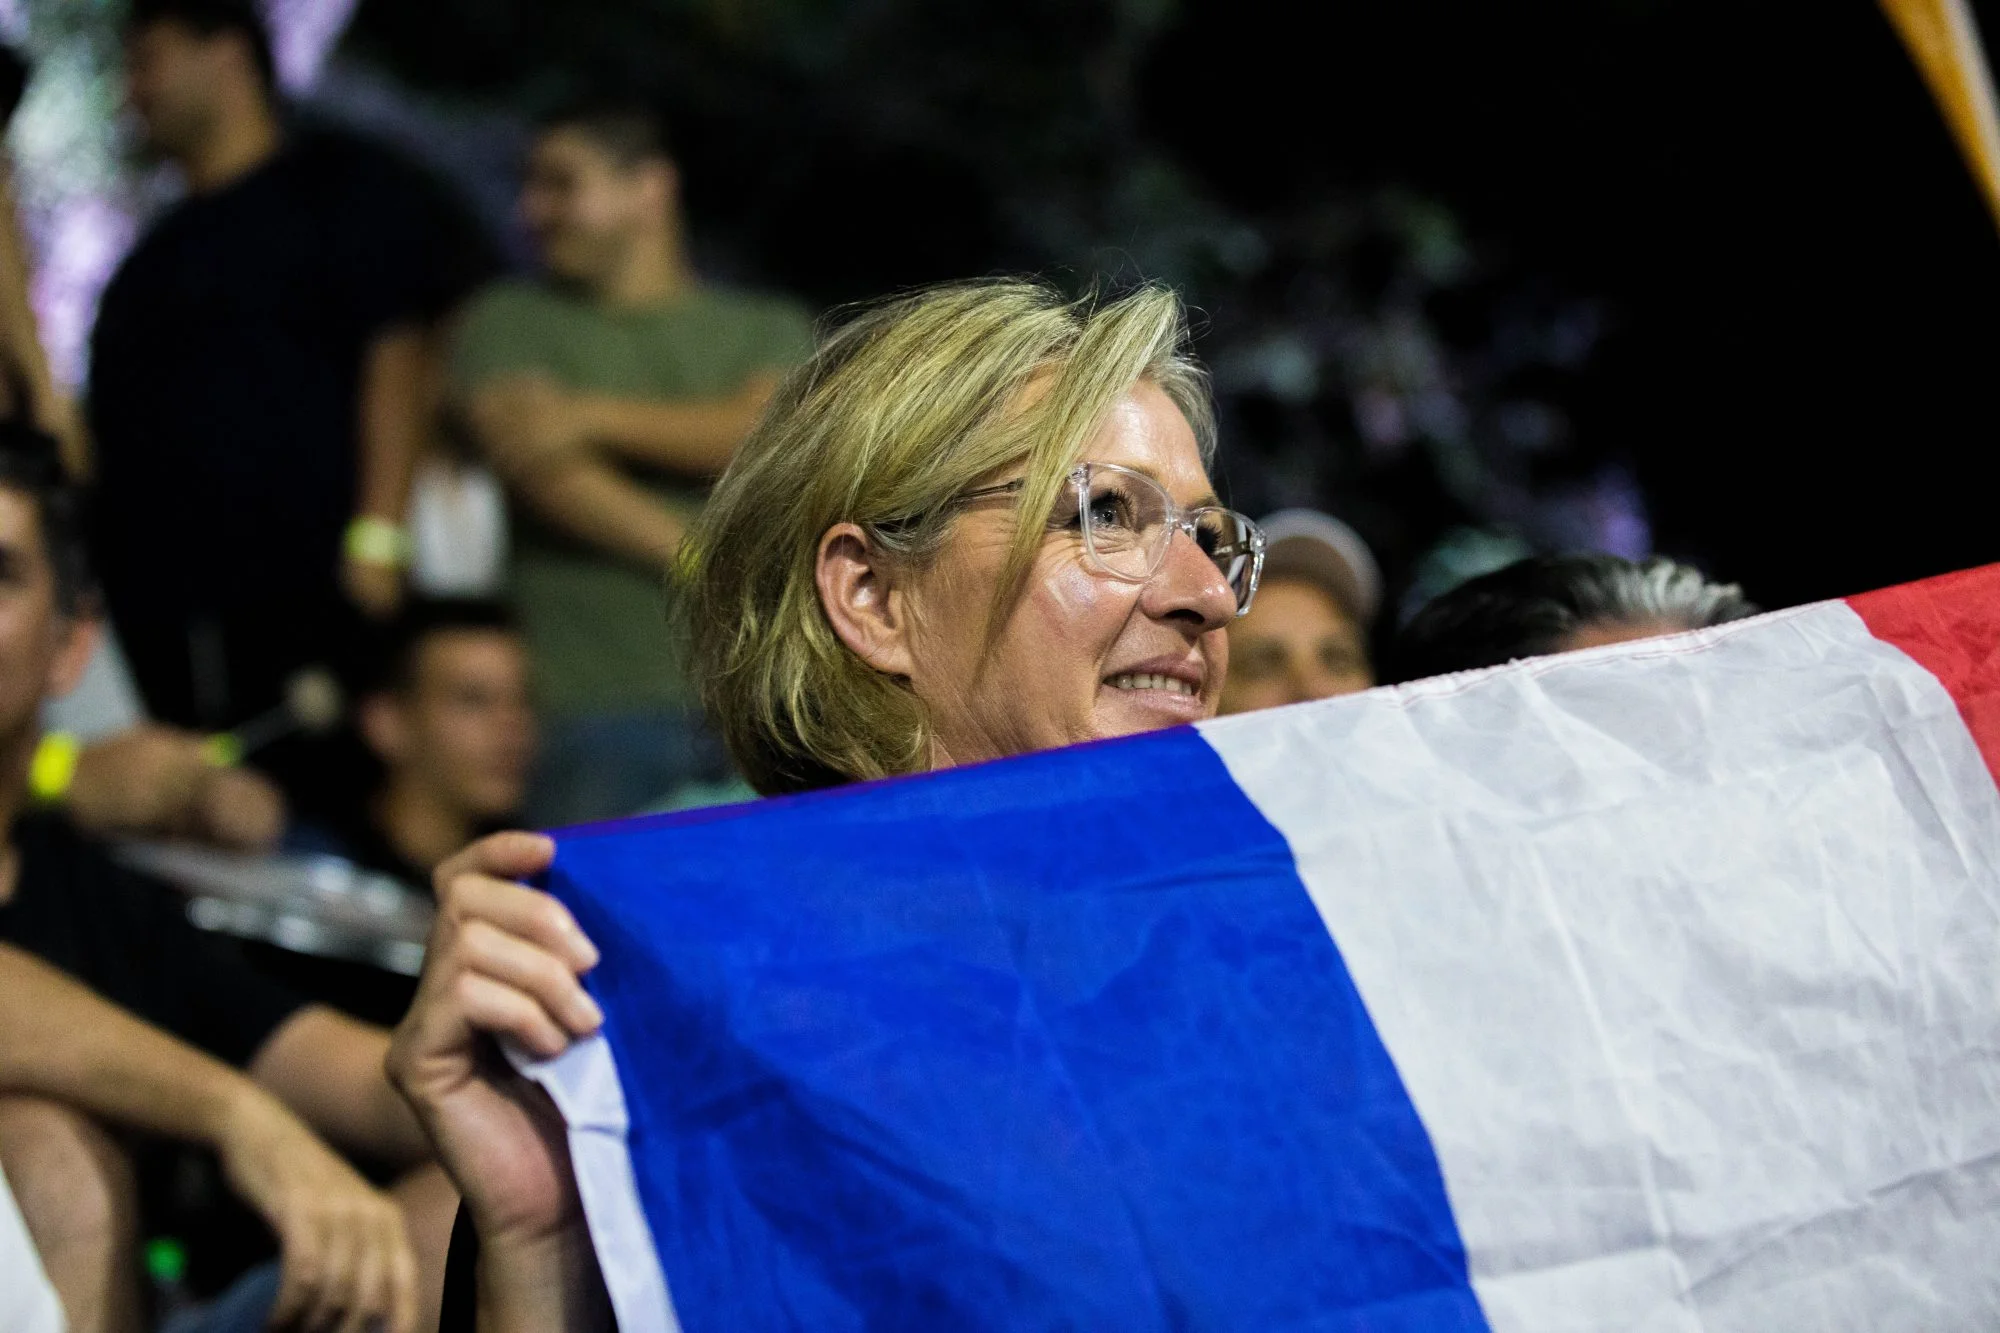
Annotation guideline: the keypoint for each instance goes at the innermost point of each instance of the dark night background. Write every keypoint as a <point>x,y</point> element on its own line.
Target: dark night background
<point>1474,276</point>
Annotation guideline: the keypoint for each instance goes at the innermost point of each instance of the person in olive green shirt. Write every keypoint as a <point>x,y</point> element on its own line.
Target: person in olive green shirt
<point>606,393</point>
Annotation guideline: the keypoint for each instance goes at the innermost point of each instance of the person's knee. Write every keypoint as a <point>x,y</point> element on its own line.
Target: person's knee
<point>72,1180</point>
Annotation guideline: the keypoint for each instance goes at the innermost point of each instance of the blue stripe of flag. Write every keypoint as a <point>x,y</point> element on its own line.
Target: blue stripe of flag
<point>1058,1042</point>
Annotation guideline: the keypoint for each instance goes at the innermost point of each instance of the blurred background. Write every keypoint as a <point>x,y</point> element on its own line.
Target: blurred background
<point>1683,276</point>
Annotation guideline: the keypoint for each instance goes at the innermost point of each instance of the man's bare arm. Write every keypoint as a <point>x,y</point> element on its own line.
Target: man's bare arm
<point>397,378</point>
<point>528,421</point>
<point>21,344</point>
<point>327,1068</point>
<point>526,430</point>
<point>60,1040</point>
<point>694,436</point>
<point>596,503</point>
<point>342,1242</point>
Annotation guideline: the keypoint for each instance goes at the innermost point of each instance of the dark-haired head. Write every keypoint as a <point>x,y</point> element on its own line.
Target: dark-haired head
<point>423,619</point>
<point>601,195</point>
<point>1552,604</point>
<point>31,467</point>
<point>208,19</point>
<point>196,70</point>
<point>449,717</point>
<point>625,129</point>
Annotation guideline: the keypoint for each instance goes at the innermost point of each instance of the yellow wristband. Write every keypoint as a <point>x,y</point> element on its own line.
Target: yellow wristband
<point>222,750</point>
<point>377,541</point>
<point>53,767</point>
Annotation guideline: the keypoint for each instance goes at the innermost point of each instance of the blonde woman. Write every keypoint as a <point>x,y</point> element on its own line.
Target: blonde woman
<point>978,523</point>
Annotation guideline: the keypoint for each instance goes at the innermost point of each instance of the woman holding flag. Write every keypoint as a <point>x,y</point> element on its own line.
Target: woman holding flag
<point>977,523</point>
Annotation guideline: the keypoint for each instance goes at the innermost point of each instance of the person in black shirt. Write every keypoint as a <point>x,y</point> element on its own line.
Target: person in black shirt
<point>124,935</point>
<point>259,382</point>
<point>448,719</point>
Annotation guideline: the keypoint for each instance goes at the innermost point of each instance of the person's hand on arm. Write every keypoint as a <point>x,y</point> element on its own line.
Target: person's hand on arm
<point>345,1259</point>
<point>504,962</point>
<point>694,436</point>
<point>531,423</point>
<point>160,781</point>
<point>529,431</point>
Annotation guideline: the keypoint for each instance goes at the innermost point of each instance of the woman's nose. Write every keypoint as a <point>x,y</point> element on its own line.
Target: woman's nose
<point>1190,586</point>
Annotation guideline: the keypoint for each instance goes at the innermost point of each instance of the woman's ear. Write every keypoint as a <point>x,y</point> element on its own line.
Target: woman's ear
<point>863,600</point>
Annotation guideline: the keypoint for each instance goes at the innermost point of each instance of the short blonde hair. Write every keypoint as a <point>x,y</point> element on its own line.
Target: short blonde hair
<point>902,408</point>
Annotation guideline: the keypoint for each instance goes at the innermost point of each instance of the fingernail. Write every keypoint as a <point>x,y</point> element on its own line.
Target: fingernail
<point>594,1014</point>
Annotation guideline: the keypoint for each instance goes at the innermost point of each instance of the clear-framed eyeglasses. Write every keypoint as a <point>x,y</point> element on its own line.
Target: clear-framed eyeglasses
<point>1128,521</point>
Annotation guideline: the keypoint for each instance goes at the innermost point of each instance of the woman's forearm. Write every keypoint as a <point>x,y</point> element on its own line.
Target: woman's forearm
<point>550,1283</point>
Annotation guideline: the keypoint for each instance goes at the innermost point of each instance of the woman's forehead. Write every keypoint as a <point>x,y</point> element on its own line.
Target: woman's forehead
<point>1148,433</point>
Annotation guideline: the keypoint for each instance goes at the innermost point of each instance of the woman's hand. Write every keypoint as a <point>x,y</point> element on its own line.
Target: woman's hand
<point>503,961</point>
<point>346,1261</point>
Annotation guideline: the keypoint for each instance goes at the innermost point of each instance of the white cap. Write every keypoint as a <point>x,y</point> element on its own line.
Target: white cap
<point>1304,543</point>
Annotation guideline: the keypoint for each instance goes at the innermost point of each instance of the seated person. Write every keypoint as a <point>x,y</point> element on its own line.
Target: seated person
<point>450,722</point>
<point>1306,636</point>
<point>1557,604</point>
<point>452,725</point>
<point>127,937</point>
<point>70,1060</point>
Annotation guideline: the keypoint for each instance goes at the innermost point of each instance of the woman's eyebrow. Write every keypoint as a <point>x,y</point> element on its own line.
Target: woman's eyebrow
<point>1208,500</point>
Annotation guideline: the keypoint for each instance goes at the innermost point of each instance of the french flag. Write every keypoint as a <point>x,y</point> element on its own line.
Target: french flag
<point>1654,987</point>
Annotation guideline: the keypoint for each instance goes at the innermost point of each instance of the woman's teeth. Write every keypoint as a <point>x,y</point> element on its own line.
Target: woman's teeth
<point>1145,680</point>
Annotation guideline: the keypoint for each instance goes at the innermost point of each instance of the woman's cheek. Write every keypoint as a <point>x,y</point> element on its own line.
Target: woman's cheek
<point>1085,612</point>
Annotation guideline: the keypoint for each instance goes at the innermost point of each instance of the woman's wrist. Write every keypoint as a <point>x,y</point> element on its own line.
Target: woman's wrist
<point>548,1282</point>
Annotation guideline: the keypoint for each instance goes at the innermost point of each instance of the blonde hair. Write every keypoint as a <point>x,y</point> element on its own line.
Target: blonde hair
<point>901,409</point>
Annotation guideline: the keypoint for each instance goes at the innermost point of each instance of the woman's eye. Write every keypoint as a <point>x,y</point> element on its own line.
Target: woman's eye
<point>1110,510</point>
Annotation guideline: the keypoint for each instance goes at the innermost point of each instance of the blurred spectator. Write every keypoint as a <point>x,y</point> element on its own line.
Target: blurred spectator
<point>1306,634</point>
<point>1557,604</point>
<point>144,779</point>
<point>606,391</point>
<point>127,937</point>
<point>453,727</point>
<point>259,381</point>
<point>27,391</point>
<point>450,723</point>
<point>141,780</point>
<point>74,1070</point>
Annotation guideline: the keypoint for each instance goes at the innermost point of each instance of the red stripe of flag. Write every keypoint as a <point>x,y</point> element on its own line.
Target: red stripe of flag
<point>1950,625</point>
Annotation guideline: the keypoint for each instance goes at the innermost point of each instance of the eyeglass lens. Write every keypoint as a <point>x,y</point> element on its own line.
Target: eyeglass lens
<point>1126,528</point>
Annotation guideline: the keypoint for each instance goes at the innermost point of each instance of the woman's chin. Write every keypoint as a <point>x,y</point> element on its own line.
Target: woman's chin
<point>1129,712</point>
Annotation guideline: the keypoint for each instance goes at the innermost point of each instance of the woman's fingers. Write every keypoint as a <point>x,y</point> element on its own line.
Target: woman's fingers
<point>491,1006</point>
<point>549,980</point>
<point>502,856</point>
<point>529,913</point>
